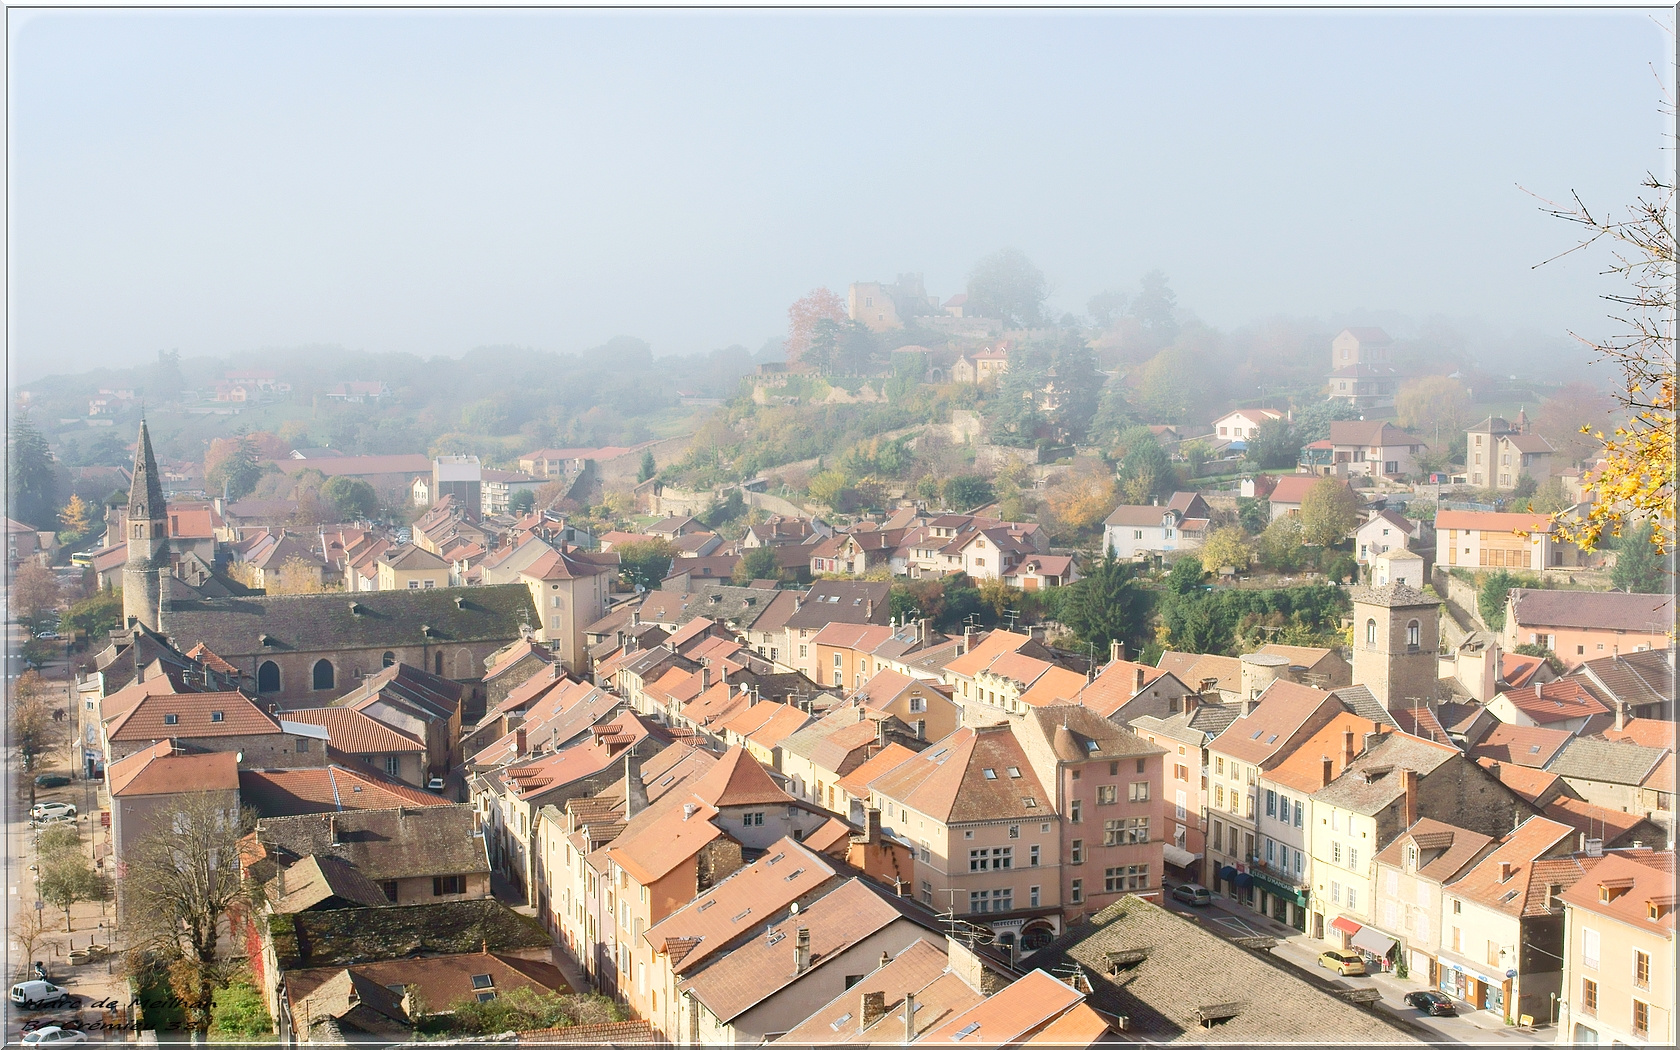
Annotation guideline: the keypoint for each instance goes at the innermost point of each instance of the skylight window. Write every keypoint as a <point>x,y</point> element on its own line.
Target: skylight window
<point>707,904</point>
<point>482,980</point>
<point>741,916</point>
<point>794,874</point>
<point>1091,745</point>
<point>1256,735</point>
<point>990,774</point>
<point>1014,772</point>
<point>967,1030</point>
<point>1030,802</point>
<point>1534,749</point>
<point>842,1019</point>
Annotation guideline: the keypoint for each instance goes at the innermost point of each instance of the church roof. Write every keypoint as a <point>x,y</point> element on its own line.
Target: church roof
<point>145,494</point>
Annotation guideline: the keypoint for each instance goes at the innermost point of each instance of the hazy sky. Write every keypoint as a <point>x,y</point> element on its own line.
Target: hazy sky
<point>436,181</point>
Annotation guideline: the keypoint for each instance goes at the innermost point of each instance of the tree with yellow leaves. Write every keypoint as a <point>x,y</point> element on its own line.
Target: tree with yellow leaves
<point>76,519</point>
<point>1635,483</point>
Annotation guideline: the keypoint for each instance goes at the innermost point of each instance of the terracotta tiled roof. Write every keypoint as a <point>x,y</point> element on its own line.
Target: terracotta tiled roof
<point>284,792</point>
<point>762,967</point>
<point>1652,880</point>
<point>948,781</point>
<point>1532,784</point>
<point>1500,879</point>
<point>1611,826</point>
<point>1639,677</point>
<point>1515,669</point>
<point>514,653</point>
<point>1011,1014</point>
<point>1646,732</point>
<point>1444,849</point>
<point>857,782</point>
<point>195,715</point>
<point>985,651</point>
<point>1115,685</point>
<point>203,655</point>
<point>1303,768</point>
<point>738,780</point>
<point>911,971</point>
<point>607,1033</point>
<point>658,839</point>
<point>1053,686</point>
<point>1521,745</point>
<point>1292,488</point>
<point>1559,701</point>
<point>353,732</point>
<point>1283,708</point>
<point>739,905</point>
<point>161,770</point>
<point>1193,668</point>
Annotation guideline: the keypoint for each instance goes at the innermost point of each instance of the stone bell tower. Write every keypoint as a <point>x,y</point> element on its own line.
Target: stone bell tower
<point>1396,636</point>
<point>147,536</point>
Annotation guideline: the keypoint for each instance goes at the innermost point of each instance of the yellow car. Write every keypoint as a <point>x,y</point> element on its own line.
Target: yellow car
<point>1345,963</point>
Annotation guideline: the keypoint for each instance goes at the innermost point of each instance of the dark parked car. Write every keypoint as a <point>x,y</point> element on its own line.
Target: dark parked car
<point>1432,1003</point>
<point>52,780</point>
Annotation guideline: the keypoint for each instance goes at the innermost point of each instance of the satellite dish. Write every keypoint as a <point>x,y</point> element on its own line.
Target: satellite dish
<point>794,909</point>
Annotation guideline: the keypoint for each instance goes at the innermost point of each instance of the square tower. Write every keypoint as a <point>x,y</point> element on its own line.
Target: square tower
<point>1396,636</point>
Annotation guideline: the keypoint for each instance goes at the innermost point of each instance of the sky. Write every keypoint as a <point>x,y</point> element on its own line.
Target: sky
<point>221,182</point>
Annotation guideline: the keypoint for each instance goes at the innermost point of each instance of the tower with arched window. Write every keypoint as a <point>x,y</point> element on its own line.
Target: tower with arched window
<point>1396,636</point>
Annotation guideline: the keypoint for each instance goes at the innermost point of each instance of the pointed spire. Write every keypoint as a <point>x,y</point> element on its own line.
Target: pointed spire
<point>145,495</point>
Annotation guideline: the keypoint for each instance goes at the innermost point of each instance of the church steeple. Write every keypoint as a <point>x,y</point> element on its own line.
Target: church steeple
<point>148,537</point>
<point>145,495</point>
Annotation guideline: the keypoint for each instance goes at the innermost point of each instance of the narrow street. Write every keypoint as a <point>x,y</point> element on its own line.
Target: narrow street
<point>1231,920</point>
<point>95,979</point>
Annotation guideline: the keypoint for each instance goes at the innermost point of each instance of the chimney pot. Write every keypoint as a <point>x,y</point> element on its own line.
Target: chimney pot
<point>1325,775</point>
<point>909,1017</point>
<point>872,825</point>
<point>1504,871</point>
<point>1138,685</point>
<point>1347,747</point>
<point>689,809</point>
<point>519,741</point>
<point>801,949</point>
<point>1116,650</point>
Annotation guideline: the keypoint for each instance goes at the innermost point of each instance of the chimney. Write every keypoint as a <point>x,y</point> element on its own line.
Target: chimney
<point>1116,650</point>
<point>1493,769</point>
<point>968,639</point>
<point>332,827</point>
<point>869,609</point>
<point>1409,782</point>
<point>1622,708</point>
<point>636,617</point>
<point>801,949</point>
<point>519,741</point>
<point>922,630</point>
<point>1137,685</point>
<point>797,602</point>
<point>886,957</point>
<point>1373,739</point>
<point>909,1017</point>
<point>1325,775</point>
<point>1190,702</point>
<point>872,1009</point>
<point>689,809</point>
<point>705,677</point>
<point>1504,871</point>
<point>872,826</point>
<point>881,732</point>
<point>1347,747</point>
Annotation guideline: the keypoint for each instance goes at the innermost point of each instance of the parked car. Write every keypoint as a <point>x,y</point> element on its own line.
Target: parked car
<point>1345,963</point>
<point>435,784</point>
<point>48,635</point>
<point>52,780</point>
<point>44,811</point>
<point>38,995</point>
<point>1432,1003</point>
<point>53,1035</point>
<point>1193,895</point>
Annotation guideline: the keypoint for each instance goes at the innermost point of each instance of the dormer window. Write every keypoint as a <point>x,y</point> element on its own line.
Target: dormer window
<point>216,716</point>
<point>170,720</point>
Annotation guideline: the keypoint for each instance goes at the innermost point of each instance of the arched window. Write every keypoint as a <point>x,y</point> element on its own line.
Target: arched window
<point>388,659</point>
<point>1371,632</point>
<point>268,677</point>
<point>323,674</point>
<point>1414,635</point>
<point>437,663</point>
<point>463,664</point>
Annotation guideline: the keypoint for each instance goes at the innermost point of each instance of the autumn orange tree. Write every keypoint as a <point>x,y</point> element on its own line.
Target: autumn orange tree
<point>820,305</point>
<point>1635,479</point>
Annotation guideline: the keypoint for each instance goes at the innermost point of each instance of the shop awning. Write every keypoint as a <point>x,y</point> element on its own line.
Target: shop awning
<point>1373,941</point>
<point>1243,880</point>
<point>1227,873</point>
<point>1345,924</point>
<point>1178,858</point>
<point>1281,889</point>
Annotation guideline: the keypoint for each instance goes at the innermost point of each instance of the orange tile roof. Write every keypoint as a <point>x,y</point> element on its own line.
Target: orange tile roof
<point>1055,685</point>
<point>863,637</point>
<point>1559,701</point>
<point>1522,745</point>
<point>990,648</point>
<point>288,792</point>
<point>738,780</point>
<point>1515,854</point>
<point>948,780</point>
<point>658,839</point>
<point>1080,1026</point>
<point>1115,685</point>
<point>1646,732</point>
<point>1531,784</point>
<point>1018,667</point>
<point>1283,708</point>
<point>784,720</point>
<point>203,655</point>
<point>1652,880</point>
<point>1303,768</point>
<point>353,732</point>
<point>196,715</point>
<point>1491,521</point>
<point>1596,822</point>
<point>161,770</point>
<point>856,783</point>
<point>1011,1014</point>
<point>738,905</point>
<point>919,970</point>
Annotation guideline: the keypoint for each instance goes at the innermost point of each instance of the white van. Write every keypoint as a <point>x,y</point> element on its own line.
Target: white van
<point>34,995</point>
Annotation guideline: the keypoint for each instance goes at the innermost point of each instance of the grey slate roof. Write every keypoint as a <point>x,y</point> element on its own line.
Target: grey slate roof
<point>236,627</point>
<point>1184,968</point>
<point>384,843</point>
<point>1393,596</point>
<point>1637,678</point>
<point>1593,610</point>
<point>1361,701</point>
<point>1606,761</point>
<point>1374,781</point>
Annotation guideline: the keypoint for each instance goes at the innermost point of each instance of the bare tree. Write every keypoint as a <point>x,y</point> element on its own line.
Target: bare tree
<point>33,730</point>
<point>181,882</point>
<point>29,928</point>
